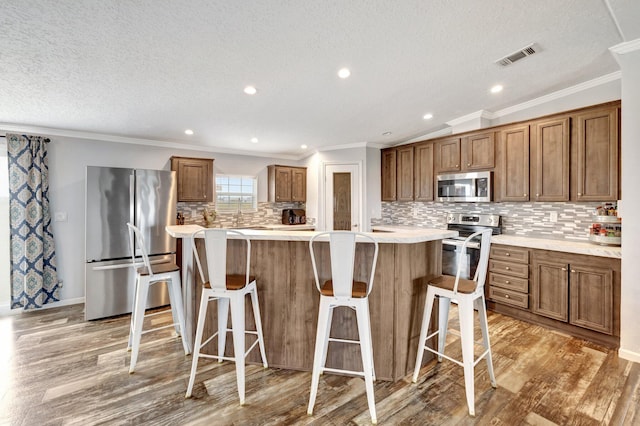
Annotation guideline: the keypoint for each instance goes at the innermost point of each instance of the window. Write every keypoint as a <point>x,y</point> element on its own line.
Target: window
<point>235,193</point>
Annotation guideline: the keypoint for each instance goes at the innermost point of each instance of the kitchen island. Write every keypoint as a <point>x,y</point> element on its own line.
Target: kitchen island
<point>289,300</point>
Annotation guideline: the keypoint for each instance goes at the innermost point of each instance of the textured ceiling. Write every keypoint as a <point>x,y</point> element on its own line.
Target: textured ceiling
<point>152,68</point>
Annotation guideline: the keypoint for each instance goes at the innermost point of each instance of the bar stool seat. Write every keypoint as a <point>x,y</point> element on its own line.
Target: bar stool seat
<point>469,295</point>
<point>343,290</point>
<point>146,275</point>
<point>229,291</point>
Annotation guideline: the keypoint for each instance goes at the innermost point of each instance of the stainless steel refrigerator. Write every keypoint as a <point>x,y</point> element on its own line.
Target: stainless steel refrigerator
<point>115,196</point>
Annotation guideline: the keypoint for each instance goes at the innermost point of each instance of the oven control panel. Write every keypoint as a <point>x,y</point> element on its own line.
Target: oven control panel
<point>492,220</point>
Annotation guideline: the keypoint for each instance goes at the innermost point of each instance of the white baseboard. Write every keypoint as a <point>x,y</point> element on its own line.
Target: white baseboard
<point>629,355</point>
<point>5,309</point>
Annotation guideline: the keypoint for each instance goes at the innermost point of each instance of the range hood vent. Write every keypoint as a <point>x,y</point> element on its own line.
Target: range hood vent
<point>516,56</point>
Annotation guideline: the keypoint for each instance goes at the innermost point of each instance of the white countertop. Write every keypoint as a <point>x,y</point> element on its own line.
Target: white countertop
<point>394,235</point>
<point>567,246</point>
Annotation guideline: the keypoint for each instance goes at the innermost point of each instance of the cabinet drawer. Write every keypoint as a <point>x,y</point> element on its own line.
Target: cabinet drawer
<point>512,254</point>
<point>509,268</point>
<point>509,283</point>
<point>509,297</point>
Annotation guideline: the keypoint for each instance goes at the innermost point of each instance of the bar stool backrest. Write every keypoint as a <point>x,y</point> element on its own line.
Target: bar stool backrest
<point>215,243</point>
<point>483,263</point>
<point>136,240</point>
<point>342,248</point>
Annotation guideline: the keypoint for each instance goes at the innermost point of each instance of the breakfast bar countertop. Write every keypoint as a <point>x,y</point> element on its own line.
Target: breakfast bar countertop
<point>398,235</point>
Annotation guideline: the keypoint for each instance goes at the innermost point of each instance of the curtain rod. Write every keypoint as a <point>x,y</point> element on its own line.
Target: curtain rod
<point>45,139</point>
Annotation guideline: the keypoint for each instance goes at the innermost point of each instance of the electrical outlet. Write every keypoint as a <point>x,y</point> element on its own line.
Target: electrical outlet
<point>553,217</point>
<point>415,212</point>
<point>60,217</point>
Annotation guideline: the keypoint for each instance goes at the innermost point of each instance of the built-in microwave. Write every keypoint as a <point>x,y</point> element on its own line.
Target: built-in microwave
<point>465,187</point>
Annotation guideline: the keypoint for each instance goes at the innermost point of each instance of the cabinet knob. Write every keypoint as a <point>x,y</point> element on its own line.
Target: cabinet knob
<point>524,195</point>
<point>468,164</point>
<point>564,269</point>
<point>507,254</point>
<point>457,165</point>
<point>537,195</point>
<point>507,268</point>
<point>506,296</point>
<point>573,271</point>
<point>507,282</point>
<point>579,194</point>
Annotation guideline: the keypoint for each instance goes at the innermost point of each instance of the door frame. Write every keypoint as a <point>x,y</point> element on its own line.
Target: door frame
<point>325,190</point>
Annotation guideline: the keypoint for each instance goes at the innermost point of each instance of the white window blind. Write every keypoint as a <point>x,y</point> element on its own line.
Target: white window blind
<point>236,193</point>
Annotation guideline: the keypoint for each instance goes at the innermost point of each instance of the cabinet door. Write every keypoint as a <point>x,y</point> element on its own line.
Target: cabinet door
<point>550,161</point>
<point>388,167</point>
<point>195,179</point>
<point>283,183</point>
<point>478,151</point>
<point>591,304</point>
<point>299,184</point>
<point>448,155</point>
<point>404,157</point>
<point>513,176</point>
<point>596,156</point>
<point>423,172</point>
<point>550,289</point>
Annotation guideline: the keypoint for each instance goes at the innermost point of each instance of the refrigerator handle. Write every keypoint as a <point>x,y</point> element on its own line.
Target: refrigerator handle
<point>129,265</point>
<point>132,206</point>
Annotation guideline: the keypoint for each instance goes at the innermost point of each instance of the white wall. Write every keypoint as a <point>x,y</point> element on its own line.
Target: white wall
<point>630,304</point>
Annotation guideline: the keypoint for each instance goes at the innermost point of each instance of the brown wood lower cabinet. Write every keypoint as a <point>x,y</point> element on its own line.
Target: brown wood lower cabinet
<point>289,303</point>
<point>576,289</point>
<point>572,293</point>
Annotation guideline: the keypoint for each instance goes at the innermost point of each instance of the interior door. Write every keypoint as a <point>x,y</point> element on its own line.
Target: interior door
<point>342,197</point>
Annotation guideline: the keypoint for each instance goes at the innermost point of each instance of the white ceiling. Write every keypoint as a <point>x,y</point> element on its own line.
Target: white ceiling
<point>150,69</point>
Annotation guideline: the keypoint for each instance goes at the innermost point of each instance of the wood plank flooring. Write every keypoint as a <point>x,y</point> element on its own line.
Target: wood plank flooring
<point>56,369</point>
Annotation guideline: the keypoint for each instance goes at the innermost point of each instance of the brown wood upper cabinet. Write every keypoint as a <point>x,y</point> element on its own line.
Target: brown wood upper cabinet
<point>397,174</point>
<point>512,177</point>
<point>389,170</point>
<point>595,153</point>
<point>423,184</point>
<point>448,155</point>
<point>287,183</point>
<point>194,178</point>
<point>550,160</point>
<point>404,158</point>
<point>472,152</point>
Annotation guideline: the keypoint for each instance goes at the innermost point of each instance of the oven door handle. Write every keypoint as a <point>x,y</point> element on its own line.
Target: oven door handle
<point>460,243</point>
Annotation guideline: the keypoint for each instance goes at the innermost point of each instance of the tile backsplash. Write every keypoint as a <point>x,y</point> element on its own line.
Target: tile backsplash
<point>266,214</point>
<point>530,219</point>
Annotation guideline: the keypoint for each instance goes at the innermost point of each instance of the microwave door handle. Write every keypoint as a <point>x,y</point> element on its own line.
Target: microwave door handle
<point>474,189</point>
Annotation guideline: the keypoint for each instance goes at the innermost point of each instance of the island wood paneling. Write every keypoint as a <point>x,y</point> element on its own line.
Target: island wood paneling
<point>289,303</point>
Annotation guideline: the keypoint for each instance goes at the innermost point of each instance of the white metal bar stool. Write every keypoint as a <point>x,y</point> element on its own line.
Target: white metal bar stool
<point>148,274</point>
<point>469,294</point>
<point>226,290</point>
<point>342,290</point>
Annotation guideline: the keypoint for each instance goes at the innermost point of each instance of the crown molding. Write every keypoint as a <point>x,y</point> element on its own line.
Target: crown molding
<point>346,146</point>
<point>473,116</point>
<point>51,132</point>
<point>626,47</point>
<point>560,94</point>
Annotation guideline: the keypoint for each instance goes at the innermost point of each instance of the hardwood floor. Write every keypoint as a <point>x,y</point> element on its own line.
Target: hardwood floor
<point>56,369</point>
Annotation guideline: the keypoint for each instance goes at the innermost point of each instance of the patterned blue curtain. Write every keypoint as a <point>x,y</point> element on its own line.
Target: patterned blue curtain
<point>34,280</point>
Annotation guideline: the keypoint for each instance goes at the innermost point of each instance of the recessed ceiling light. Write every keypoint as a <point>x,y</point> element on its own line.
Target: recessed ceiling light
<point>496,89</point>
<point>188,132</point>
<point>344,73</point>
<point>303,146</point>
<point>250,90</point>
<point>254,140</point>
<point>427,116</point>
<point>386,134</point>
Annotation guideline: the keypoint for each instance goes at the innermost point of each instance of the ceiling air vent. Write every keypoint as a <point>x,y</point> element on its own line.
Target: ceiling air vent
<point>516,56</point>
